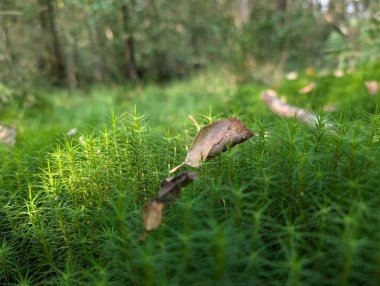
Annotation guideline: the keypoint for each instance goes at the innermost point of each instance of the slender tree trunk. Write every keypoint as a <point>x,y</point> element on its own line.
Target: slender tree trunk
<point>129,45</point>
<point>281,5</point>
<point>71,66</point>
<point>60,61</point>
<point>4,20</point>
<point>52,59</point>
<point>8,43</point>
<point>244,8</point>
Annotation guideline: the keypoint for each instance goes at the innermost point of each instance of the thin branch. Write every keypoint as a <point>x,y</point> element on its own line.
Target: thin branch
<point>285,110</point>
<point>11,13</point>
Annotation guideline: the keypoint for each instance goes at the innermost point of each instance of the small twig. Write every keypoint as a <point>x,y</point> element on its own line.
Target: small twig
<point>11,13</point>
<point>176,168</point>
<point>192,119</point>
<point>285,110</point>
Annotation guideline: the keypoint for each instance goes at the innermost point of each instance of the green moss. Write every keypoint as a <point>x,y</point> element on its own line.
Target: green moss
<point>297,206</point>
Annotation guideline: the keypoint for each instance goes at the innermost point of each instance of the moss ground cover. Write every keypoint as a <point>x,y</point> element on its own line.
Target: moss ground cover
<point>294,205</point>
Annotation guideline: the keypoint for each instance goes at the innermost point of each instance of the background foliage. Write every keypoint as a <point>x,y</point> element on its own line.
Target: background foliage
<point>79,42</point>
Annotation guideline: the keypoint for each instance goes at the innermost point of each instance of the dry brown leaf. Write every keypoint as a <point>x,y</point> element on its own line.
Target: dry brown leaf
<point>169,190</point>
<point>7,135</point>
<point>170,187</point>
<point>307,89</point>
<point>372,87</point>
<point>285,110</point>
<point>152,214</point>
<point>213,139</point>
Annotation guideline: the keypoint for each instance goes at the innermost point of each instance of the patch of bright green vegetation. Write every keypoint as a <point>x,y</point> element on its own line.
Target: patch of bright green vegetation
<point>292,206</point>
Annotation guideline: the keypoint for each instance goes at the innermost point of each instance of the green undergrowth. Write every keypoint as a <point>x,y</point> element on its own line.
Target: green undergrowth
<point>292,206</point>
<point>298,206</point>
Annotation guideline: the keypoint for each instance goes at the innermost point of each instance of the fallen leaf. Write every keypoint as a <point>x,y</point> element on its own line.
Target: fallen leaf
<point>292,75</point>
<point>170,187</point>
<point>338,73</point>
<point>372,87</point>
<point>309,71</point>
<point>213,139</point>
<point>152,215</point>
<point>307,89</point>
<point>7,135</point>
<point>169,190</point>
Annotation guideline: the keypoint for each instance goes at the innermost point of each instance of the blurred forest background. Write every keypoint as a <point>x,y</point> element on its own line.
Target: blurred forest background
<point>95,102</point>
<point>75,43</point>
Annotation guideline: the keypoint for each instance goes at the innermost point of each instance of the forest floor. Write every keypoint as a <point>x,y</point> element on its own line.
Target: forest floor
<point>293,205</point>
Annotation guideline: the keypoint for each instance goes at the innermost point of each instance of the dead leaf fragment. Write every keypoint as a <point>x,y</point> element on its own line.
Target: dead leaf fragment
<point>169,190</point>
<point>152,215</point>
<point>170,187</point>
<point>338,73</point>
<point>7,135</point>
<point>309,71</point>
<point>213,139</point>
<point>307,89</point>
<point>372,87</point>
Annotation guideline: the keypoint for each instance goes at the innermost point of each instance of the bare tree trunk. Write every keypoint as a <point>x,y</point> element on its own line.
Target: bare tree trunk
<point>71,67</point>
<point>7,37</point>
<point>8,43</point>
<point>52,59</point>
<point>281,5</point>
<point>129,45</point>
<point>244,8</point>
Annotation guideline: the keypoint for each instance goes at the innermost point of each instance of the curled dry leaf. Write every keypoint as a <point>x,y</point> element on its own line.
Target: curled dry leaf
<point>307,89</point>
<point>213,139</point>
<point>152,214</point>
<point>170,187</point>
<point>7,135</point>
<point>372,87</point>
<point>169,190</point>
